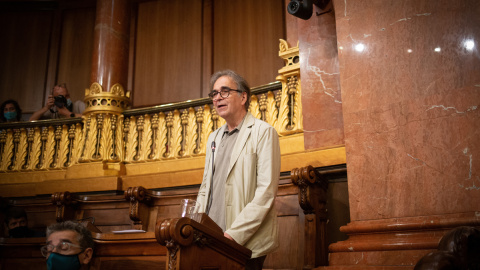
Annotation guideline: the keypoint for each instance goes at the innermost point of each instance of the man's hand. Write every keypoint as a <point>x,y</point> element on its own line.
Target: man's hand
<point>228,236</point>
<point>50,102</point>
<point>64,111</point>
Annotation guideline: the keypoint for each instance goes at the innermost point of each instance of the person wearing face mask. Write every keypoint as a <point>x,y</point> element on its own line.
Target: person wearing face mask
<point>59,105</point>
<point>17,224</point>
<point>69,246</point>
<point>11,111</point>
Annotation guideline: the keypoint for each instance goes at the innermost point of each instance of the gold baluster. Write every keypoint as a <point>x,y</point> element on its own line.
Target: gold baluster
<point>131,141</point>
<point>8,150</point>
<point>176,134</point>
<point>161,139</point>
<point>168,143</point>
<point>192,133</point>
<point>146,138</point>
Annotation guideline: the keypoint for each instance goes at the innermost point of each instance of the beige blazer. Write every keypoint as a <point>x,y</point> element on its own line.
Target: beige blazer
<point>250,187</point>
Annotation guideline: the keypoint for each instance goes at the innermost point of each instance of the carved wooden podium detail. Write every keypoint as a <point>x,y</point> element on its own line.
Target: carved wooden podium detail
<point>312,197</point>
<point>65,206</point>
<point>199,245</point>
<point>140,199</point>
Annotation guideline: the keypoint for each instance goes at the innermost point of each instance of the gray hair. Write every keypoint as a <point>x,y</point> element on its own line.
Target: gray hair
<point>84,236</point>
<point>242,84</point>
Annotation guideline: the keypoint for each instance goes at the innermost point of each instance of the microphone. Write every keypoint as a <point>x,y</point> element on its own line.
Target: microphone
<point>209,204</point>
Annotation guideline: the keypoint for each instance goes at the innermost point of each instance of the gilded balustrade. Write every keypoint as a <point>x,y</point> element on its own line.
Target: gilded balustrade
<point>40,145</point>
<point>108,133</point>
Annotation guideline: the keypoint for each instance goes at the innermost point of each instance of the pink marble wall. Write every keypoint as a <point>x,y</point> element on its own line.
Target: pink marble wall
<point>321,96</point>
<point>410,92</point>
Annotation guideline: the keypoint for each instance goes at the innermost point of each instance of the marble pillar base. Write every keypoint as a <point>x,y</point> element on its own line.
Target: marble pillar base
<point>397,242</point>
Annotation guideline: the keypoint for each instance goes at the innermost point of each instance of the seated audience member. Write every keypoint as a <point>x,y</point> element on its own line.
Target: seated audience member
<point>69,246</point>
<point>17,224</point>
<point>59,105</point>
<point>11,111</point>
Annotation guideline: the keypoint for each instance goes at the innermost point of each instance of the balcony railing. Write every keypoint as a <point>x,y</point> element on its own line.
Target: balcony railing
<point>171,131</point>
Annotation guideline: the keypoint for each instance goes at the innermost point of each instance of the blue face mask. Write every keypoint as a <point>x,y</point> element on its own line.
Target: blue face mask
<point>10,115</point>
<point>63,262</point>
<point>69,102</point>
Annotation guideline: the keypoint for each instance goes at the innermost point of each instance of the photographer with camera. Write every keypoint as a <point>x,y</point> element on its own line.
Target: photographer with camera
<point>59,105</point>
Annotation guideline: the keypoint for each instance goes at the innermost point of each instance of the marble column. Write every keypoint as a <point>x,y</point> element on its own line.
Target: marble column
<point>410,80</point>
<point>106,98</point>
<point>111,40</point>
<point>319,70</point>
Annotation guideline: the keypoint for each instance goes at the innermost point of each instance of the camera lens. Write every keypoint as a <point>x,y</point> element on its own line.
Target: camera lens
<point>60,101</point>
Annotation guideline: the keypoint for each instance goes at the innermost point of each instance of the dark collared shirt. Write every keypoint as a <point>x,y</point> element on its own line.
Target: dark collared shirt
<point>221,163</point>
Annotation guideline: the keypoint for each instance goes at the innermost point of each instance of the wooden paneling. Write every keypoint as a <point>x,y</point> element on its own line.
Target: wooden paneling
<point>76,46</point>
<point>179,44</point>
<point>24,52</point>
<point>168,52</point>
<point>246,38</point>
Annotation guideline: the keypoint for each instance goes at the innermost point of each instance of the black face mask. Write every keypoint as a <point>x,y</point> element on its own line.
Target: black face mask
<point>20,232</point>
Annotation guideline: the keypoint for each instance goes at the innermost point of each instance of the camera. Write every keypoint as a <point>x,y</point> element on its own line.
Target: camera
<point>303,9</point>
<point>60,101</point>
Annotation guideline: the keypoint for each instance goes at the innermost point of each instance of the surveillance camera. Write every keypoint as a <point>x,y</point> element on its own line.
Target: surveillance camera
<point>303,9</point>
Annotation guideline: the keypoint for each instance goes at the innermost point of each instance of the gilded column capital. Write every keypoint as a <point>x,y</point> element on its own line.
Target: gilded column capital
<point>115,101</point>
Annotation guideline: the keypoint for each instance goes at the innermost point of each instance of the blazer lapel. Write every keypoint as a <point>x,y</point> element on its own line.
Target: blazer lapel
<point>243,135</point>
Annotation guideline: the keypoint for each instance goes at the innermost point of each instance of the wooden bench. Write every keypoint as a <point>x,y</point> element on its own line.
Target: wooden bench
<point>301,206</point>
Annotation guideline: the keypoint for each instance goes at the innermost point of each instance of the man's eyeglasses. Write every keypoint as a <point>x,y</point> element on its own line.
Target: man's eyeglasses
<point>63,246</point>
<point>224,92</point>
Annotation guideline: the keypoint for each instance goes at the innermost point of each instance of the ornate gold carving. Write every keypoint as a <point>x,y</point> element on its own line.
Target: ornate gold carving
<point>191,135</point>
<point>290,57</point>
<point>254,107</point>
<point>168,145</point>
<point>161,137</point>
<point>8,150</point>
<point>131,138</point>
<point>199,122</point>
<point>34,157</point>
<point>272,110</point>
<point>206,128</point>
<point>57,136</point>
<point>184,124</point>
<point>77,144</point>
<point>289,103</point>
<point>146,146</point>
<point>90,138</point>
<point>49,147</point>
<point>114,101</point>
<point>176,134</point>
<point>22,148</point>
<point>63,147</point>
<point>103,140</point>
<point>140,127</point>
<point>283,45</point>
<point>118,150</point>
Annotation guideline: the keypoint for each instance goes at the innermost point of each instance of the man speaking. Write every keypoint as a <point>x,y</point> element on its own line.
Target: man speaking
<point>242,168</point>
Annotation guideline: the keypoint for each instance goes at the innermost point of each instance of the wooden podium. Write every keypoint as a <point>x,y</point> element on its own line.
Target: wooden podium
<point>198,243</point>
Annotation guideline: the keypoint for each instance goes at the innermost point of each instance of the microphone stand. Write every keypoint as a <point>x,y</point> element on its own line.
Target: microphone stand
<point>209,204</point>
